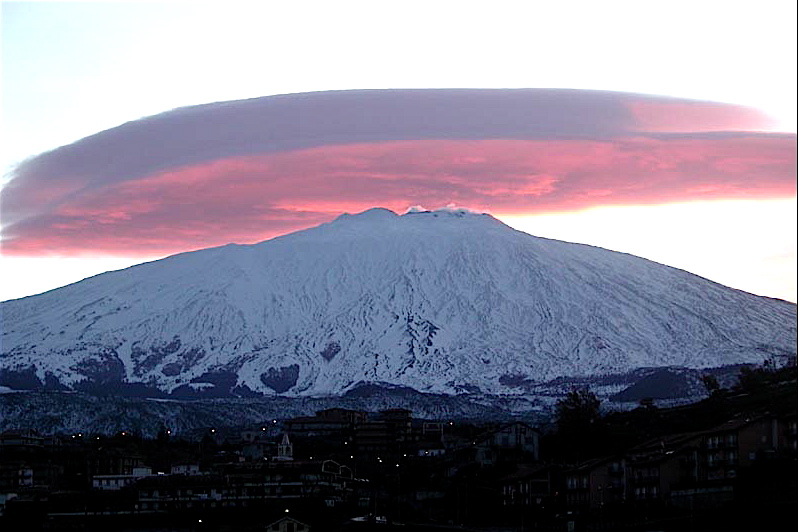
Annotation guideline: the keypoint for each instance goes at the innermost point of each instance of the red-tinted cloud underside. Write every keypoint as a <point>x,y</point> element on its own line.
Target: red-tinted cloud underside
<point>251,198</point>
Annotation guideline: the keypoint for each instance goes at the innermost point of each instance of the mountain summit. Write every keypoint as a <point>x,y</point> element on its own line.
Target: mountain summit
<point>441,301</point>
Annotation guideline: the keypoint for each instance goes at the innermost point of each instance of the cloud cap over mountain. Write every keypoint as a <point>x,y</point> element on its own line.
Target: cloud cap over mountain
<point>251,169</point>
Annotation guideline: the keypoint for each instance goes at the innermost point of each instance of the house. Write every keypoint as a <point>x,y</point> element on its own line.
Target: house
<point>400,421</point>
<point>430,450</point>
<point>702,468</point>
<point>760,438</point>
<point>655,467</point>
<point>596,483</point>
<point>115,461</point>
<point>112,482</point>
<point>515,441</point>
<point>432,429</point>
<point>15,475</point>
<point>117,482</point>
<point>185,469</point>
<point>256,450</point>
<point>239,485</point>
<point>530,485</point>
<point>40,474</point>
<point>287,524</point>
<point>24,438</point>
<point>254,435</point>
<point>509,444</point>
<point>390,433</point>
<point>739,444</point>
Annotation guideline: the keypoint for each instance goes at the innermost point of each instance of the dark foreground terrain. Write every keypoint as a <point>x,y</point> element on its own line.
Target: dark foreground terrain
<point>728,462</point>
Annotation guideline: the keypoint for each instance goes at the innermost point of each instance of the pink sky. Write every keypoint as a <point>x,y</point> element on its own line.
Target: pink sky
<point>247,199</point>
<point>250,170</point>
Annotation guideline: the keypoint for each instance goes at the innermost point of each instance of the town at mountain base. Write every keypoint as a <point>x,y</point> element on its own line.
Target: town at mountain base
<point>725,462</point>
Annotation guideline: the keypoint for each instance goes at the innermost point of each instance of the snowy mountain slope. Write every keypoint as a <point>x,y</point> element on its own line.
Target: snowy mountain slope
<point>445,301</point>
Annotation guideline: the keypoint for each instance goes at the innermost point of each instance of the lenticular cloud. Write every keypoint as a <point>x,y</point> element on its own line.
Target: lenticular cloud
<point>248,170</point>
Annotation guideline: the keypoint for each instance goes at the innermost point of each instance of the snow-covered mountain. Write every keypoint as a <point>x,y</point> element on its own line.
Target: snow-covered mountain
<point>446,302</point>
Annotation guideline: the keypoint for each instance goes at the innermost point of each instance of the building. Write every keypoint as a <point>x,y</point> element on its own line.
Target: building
<point>596,483</point>
<point>20,439</point>
<point>117,482</point>
<point>711,472</point>
<point>185,469</point>
<point>285,450</point>
<point>390,434</point>
<point>115,461</point>
<point>517,442</point>
<point>248,485</point>
<point>655,467</point>
<point>15,475</point>
<point>684,470</point>
<point>430,451</point>
<point>327,423</point>
<point>530,485</point>
<point>287,524</point>
<point>343,415</point>
<point>260,435</point>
